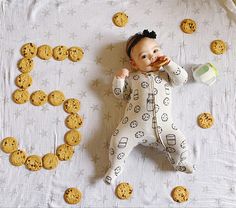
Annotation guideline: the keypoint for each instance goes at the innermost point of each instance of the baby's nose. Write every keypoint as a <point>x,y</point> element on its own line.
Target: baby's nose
<point>152,58</point>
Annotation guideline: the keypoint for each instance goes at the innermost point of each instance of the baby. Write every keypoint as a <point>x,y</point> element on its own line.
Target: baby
<point>147,118</point>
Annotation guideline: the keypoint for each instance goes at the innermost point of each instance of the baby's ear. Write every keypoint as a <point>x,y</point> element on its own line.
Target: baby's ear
<point>132,63</point>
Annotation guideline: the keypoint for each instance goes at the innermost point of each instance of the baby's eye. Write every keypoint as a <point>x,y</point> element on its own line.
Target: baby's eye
<point>156,50</point>
<point>144,56</point>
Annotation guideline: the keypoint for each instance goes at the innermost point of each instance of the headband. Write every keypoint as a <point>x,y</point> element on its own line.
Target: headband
<point>136,38</point>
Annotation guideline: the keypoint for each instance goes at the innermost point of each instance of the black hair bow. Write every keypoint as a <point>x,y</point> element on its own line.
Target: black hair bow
<point>148,34</point>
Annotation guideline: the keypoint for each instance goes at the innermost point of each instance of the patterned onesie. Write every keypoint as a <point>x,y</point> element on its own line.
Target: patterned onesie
<point>148,119</point>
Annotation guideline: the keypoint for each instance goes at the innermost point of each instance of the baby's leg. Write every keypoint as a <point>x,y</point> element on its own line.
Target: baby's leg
<point>122,143</point>
<point>177,150</point>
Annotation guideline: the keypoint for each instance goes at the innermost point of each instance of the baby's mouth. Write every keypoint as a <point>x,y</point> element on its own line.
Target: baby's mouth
<point>157,60</point>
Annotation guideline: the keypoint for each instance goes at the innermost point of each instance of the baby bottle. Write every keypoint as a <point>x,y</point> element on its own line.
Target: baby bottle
<point>205,73</point>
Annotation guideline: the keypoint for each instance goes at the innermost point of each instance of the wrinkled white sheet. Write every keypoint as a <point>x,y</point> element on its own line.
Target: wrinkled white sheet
<point>39,130</point>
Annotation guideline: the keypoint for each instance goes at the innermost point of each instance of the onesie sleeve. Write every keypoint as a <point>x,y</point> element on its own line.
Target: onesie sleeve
<point>121,88</point>
<point>177,74</point>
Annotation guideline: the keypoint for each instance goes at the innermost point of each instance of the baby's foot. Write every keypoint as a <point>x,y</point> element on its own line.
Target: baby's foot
<point>110,177</point>
<point>107,179</point>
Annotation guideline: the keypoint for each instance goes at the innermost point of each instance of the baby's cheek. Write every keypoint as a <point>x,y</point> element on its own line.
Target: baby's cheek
<point>147,62</point>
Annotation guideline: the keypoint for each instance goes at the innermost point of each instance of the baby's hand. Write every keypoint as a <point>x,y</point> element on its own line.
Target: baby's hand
<point>165,60</point>
<point>122,73</point>
<point>161,61</point>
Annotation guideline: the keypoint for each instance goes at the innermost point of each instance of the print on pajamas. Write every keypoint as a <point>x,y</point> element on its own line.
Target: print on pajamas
<point>164,117</point>
<point>167,89</point>
<point>112,151</point>
<point>126,92</point>
<point>171,139</point>
<point>133,124</point>
<point>139,134</point>
<point>117,170</point>
<point>172,161</point>
<point>159,129</point>
<point>154,122</point>
<point>123,142</point>
<point>117,91</point>
<point>136,77</point>
<point>144,84</point>
<point>157,108</point>
<point>158,80</point>
<point>130,107</point>
<point>166,101</point>
<point>108,179</point>
<point>144,141</point>
<point>120,156</point>
<point>181,168</point>
<point>183,144</point>
<point>145,116</point>
<point>155,91</point>
<point>174,127</point>
<point>177,72</point>
<point>136,94</point>
<point>115,132</point>
<point>150,102</point>
<point>125,120</point>
<point>137,108</point>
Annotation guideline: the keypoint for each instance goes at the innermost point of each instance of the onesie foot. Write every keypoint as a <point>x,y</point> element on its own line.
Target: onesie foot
<point>107,180</point>
<point>109,177</point>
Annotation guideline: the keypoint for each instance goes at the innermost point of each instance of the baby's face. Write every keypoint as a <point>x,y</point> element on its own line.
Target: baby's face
<point>144,53</point>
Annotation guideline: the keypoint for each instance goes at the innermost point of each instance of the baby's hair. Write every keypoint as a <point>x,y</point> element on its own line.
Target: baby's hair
<point>133,40</point>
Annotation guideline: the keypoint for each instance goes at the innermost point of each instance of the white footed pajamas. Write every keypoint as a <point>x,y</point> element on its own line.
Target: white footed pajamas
<point>148,119</point>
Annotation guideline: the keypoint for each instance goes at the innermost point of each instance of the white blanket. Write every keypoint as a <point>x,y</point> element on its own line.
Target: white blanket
<point>39,130</point>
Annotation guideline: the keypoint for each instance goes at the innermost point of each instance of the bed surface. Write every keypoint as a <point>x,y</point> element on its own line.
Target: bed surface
<point>40,130</point>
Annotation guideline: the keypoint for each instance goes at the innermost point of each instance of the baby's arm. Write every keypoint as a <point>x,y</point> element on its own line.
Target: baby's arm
<point>120,85</point>
<point>177,74</point>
